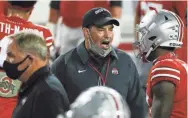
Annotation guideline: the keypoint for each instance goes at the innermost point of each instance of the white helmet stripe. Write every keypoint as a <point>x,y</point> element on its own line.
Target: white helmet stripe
<point>180,22</point>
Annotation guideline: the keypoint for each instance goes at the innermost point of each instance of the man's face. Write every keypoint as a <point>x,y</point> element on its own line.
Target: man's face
<point>102,36</point>
<point>14,55</point>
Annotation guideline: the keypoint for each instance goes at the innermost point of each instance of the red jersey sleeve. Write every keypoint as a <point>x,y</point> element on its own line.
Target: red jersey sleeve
<point>48,37</point>
<point>166,70</point>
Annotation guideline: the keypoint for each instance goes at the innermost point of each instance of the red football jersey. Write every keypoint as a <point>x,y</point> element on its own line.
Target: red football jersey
<point>169,68</point>
<point>178,7</point>
<point>8,87</point>
<point>144,5</point>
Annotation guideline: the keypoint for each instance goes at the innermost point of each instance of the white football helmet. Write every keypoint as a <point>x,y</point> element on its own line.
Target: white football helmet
<point>99,102</point>
<point>163,28</point>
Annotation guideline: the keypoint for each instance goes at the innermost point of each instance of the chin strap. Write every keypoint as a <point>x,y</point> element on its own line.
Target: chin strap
<point>148,53</point>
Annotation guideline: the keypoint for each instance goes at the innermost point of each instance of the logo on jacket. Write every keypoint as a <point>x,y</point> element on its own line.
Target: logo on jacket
<point>115,71</point>
<point>81,71</point>
<point>8,87</point>
<point>23,101</point>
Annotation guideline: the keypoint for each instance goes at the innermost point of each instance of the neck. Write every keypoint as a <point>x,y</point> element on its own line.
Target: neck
<point>97,59</point>
<point>18,13</point>
<point>86,44</point>
<point>31,70</point>
<point>162,52</point>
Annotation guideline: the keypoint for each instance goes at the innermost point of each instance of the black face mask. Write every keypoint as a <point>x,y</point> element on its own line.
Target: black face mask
<point>12,69</point>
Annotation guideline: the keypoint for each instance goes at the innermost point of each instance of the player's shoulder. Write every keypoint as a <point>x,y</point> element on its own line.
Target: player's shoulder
<point>170,63</point>
<point>2,16</point>
<point>41,27</point>
<point>167,69</point>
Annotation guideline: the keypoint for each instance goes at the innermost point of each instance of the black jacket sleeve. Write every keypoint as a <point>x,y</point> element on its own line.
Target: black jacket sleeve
<point>58,68</point>
<point>136,96</point>
<point>55,5</point>
<point>48,104</point>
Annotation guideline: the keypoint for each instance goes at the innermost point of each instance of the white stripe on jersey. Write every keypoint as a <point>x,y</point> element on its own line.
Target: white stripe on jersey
<point>166,68</point>
<point>49,38</point>
<point>163,60</point>
<point>49,44</point>
<point>165,75</point>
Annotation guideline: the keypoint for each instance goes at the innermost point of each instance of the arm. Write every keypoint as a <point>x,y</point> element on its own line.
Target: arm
<point>116,9</point>
<point>163,96</point>
<point>58,69</point>
<point>136,97</point>
<point>53,16</point>
<point>54,11</point>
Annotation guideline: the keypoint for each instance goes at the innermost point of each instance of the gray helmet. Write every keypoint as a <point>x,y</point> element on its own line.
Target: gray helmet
<point>163,28</point>
<point>99,102</point>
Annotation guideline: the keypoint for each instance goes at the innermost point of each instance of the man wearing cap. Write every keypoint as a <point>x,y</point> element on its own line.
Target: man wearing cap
<point>65,21</point>
<point>96,63</point>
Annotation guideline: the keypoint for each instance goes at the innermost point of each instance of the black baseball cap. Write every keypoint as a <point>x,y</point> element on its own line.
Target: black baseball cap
<point>98,17</point>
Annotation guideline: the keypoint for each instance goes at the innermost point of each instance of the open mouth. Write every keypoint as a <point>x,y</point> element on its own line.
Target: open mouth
<point>105,44</point>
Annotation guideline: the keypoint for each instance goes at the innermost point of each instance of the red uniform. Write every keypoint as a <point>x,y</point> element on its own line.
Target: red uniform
<point>8,87</point>
<point>169,68</point>
<point>178,7</point>
<point>73,11</point>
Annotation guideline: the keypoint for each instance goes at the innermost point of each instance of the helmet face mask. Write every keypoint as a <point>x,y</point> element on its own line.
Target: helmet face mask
<point>163,29</point>
<point>142,46</point>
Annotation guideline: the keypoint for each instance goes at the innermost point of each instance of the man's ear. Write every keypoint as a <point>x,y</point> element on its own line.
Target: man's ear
<point>31,57</point>
<point>29,13</point>
<point>86,32</point>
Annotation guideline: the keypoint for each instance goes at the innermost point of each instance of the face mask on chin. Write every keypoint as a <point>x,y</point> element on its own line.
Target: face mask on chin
<point>96,50</point>
<point>12,69</point>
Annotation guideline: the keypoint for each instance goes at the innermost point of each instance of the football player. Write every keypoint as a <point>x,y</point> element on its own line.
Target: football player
<point>178,7</point>
<point>161,34</point>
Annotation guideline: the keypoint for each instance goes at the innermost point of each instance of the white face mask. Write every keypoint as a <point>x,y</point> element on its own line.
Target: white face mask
<point>95,48</point>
